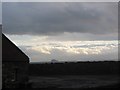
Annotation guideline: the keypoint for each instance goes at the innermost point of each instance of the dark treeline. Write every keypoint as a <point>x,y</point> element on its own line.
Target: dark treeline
<point>75,68</point>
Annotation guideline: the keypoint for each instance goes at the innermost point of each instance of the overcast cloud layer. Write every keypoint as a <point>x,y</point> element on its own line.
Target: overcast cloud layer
<point>60,0</point>
<point>0,12</point>
<point>58,18</point>
<point>63,31</point>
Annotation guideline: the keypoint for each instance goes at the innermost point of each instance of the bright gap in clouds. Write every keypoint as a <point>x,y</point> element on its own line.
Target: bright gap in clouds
<point>41,49</point>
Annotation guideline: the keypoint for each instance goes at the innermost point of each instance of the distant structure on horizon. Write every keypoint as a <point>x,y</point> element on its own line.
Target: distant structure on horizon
<point>54,61</point>
<point>14,65</point>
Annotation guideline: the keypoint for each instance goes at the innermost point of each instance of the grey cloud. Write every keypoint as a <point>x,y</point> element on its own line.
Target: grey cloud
<point>83,36</point>
<point>0,13</point>
<point>55,18</point>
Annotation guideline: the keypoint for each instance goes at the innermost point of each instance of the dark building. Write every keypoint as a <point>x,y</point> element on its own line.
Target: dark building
<point>14,65</point>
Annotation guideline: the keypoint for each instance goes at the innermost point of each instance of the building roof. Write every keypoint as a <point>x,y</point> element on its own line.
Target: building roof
<point>10,52</point>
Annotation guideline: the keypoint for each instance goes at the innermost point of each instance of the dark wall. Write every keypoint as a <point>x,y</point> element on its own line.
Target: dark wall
<point>79,68</point>
<point>14,72</point>
<point>14,64</point>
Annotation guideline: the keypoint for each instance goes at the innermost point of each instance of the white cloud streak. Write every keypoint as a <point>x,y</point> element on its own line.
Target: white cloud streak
<point>75,47</point>
<point>93,51</point>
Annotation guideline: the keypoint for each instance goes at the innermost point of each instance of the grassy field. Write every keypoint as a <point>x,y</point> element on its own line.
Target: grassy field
<point>74,81</point>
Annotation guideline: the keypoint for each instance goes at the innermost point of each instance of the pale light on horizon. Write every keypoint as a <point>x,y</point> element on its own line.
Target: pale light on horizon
<point>47,49</point>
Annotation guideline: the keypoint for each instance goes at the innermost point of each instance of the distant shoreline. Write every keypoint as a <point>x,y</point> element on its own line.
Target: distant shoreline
<point>49,62</point>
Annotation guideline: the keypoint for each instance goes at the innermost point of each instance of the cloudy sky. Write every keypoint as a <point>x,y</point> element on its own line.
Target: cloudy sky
<point>65,31</point>
<point>0,12</point>
<point>60,0</point>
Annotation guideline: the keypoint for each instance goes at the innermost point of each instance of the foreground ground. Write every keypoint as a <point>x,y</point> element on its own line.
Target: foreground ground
<point>74,81</point>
